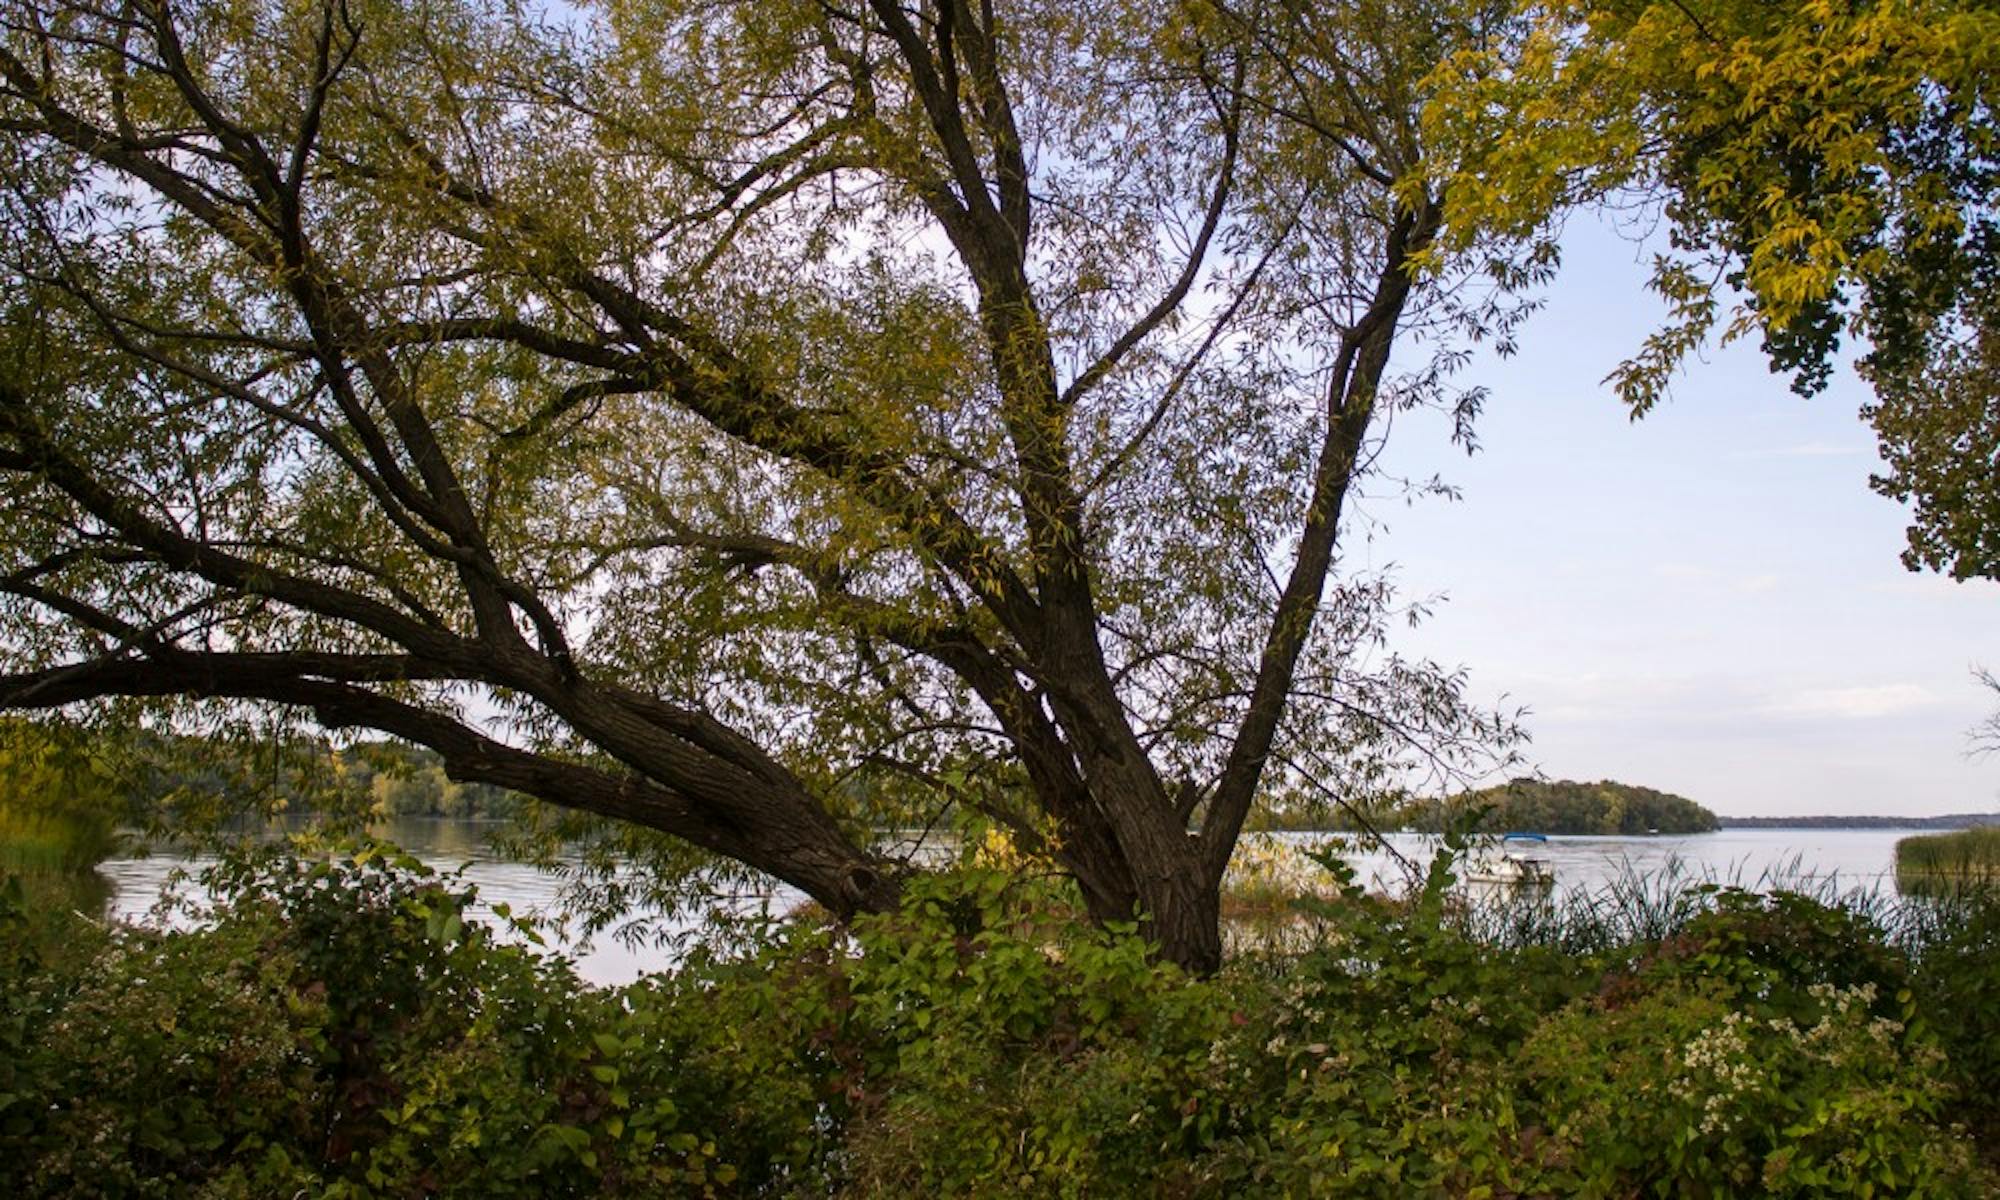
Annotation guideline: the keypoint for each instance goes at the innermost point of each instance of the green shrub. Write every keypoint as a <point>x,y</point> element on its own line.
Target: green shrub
<point>1379,1065</point>
<point>1776,950</point>
<point>1956,986</point>
<point>172,1064</point>
<point>340,1028</point>
<point>1009,1054</point>
<point>1681,1090</point>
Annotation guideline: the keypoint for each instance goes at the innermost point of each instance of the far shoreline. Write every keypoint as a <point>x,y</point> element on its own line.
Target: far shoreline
<point>1948,821</point>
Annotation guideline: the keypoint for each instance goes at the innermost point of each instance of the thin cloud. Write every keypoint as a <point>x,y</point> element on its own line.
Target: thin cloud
<point>1852,703</point>
<point>1933,588</point>
<point>1821,450</point>
<point>1712,579</point>
<point>1810,450</point>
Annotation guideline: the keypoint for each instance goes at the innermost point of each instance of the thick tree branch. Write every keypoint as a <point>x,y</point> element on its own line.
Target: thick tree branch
<point>1351,395</point>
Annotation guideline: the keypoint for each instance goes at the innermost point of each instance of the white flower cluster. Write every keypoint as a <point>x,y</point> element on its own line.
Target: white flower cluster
<point>1822,1040</point>
<point>1716,1069</point>
<point>1840,1000</point>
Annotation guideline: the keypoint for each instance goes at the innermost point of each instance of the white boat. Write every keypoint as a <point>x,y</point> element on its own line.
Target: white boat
<point>1501,865</point>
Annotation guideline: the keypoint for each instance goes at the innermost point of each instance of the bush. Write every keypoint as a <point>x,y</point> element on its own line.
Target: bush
<point>1956,986</point>
<point>340,1028</point>
<point>1005,1053</point>
<point>1776,951</point>
<point>170,1064</point>
<point>1680,1087</point>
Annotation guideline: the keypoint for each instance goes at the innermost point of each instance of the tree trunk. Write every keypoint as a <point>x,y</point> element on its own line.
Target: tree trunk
<point>1157,866</point>
<point>1184,918</point>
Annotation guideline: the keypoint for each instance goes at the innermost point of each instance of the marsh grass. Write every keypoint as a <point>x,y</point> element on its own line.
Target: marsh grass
<point>59,842</point>
<point>1940,863</point>
<point>1262,895</point>
<point>60,895</point>
<point>51,856</point>
<point>1638,907</point>
<point>1266,874</point>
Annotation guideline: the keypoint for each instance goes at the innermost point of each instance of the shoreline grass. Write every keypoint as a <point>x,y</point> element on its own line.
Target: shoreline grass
<point>52,858</point>
<point>54,841</point>
<point>1944,861</point>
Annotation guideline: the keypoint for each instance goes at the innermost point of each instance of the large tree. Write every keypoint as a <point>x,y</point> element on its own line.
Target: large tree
<point>727,417</point>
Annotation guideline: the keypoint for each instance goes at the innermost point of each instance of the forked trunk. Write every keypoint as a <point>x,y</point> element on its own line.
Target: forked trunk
<point>1166,891</point>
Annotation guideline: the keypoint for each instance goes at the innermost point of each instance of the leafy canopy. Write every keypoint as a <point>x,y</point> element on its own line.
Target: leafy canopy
<point>1832,165</point>
<point>756,423</point>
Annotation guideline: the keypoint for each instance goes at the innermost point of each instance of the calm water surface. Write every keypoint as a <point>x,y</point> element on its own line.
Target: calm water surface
<point>1848,858</point>
<point>142,884</point>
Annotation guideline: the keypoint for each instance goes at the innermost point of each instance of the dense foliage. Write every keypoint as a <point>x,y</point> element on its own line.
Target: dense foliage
<point>1562,806</point>
<point>60,803</point>
<point>1534,805</point>
<point>66,792</point>
<point>342,1028</point>
<point>401,780</point>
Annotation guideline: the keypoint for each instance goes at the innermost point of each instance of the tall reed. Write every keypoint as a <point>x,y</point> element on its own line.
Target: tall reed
<point>54,841</point>
<point>1938,862</point>
<point>1649,906</point>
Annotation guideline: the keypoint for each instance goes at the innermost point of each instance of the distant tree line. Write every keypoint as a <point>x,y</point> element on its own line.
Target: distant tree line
<point>57,775</point>
<point>1561,806</point>
<point>402,780</point>
<point>1948,821</point>
<point>1564,806</point>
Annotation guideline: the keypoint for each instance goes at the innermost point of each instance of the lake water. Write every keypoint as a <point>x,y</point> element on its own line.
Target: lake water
<point>141,884</point>
<point>1847,858</point>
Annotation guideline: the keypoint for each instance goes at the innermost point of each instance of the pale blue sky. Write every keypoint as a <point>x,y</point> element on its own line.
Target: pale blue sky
<point>1709,600</point>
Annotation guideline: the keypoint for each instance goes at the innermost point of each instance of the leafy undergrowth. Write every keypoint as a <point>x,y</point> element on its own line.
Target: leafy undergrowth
<point>340,1028</point>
